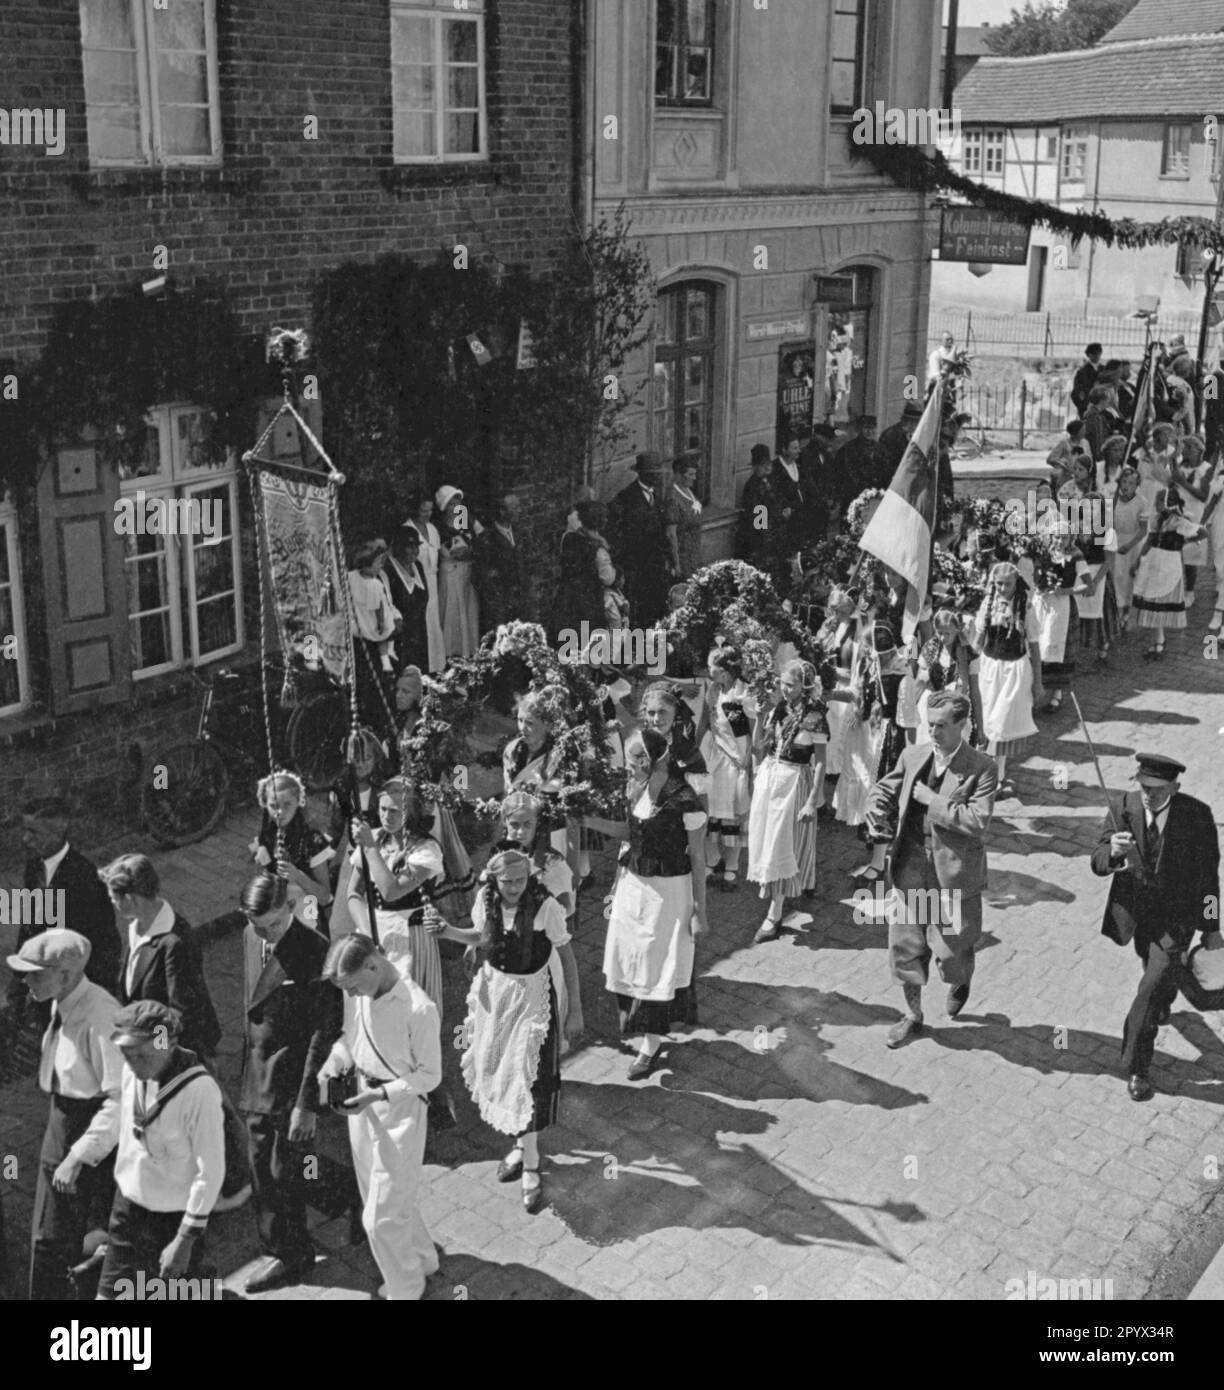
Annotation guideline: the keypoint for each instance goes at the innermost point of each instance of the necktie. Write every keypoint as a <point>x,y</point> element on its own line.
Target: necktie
<point>1153,843</point>
<point>47,1078</point>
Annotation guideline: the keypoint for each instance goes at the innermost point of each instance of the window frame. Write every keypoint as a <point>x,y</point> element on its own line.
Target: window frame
<point>178,478</point>
<point>11,540</point>
<point>994,141</point>
<point>1167,171</point>
<point>473,12</point>
<point>972,146</point>
<point>153,155</point>
<point>714,29</point>
<point>1073,143</point>
<point>862,19</point>
<point>677,352</point>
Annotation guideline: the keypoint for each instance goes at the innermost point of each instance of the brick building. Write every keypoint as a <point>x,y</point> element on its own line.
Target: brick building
<point>255,146</point>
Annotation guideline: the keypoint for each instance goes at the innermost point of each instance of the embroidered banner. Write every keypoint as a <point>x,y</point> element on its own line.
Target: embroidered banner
<point>305,573</point>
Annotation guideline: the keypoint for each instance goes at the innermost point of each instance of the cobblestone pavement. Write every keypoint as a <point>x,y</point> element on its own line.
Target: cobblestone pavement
<point>782,1151</point>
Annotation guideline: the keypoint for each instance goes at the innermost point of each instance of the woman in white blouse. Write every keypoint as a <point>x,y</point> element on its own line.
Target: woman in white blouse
<point>422,505</point>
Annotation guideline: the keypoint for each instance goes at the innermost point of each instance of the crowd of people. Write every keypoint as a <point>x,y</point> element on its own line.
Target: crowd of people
<point>727,782</point>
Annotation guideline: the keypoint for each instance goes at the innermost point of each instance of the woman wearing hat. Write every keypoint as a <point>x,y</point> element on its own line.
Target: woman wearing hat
<point>456,592</point>
<point>420,518</point>
<point>1007,635</point>
<point>682,517</point>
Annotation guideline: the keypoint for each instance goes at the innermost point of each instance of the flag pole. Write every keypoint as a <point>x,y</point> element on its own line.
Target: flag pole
<point>1079,714</point>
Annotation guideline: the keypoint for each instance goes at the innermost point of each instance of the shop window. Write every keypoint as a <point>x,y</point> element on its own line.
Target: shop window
<point>686,338</point>
<point>847,349</point>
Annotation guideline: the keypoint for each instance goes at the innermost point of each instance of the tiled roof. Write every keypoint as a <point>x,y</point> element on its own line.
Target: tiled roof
<point>1155,77</point>
<point>1154,19</point>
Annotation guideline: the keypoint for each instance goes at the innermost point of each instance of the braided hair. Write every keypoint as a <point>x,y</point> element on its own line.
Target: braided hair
<point>493,933</point>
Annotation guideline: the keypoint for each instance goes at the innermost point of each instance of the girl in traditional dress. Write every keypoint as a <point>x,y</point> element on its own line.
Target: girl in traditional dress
<point>948,662</point>
<point>519,822</point>
<point>1160,593</point>
<point>782,823</point>
<point>1192,478</point>
<point>664,711</point>
<point>1095,605</point>
<point>1005,632</point>
<point>1131,514</point>
<point>374,614</point>
<point>726,747</point>
<point>838,640</point>
<point>522,1010</point>
<point>420,518</point>
<point>658,906</point>
<point>353,796</point>
<point>457,594</point>
<point>1056,635</point>
<point>872,732</point>
<point>305,853</point>
<point>394,871</point>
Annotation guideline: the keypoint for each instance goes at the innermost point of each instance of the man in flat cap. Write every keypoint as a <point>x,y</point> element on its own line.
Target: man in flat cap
<point>1164,855</point>
<point>639,540</point>
<point>79,1071</point>
<point>170,1161</point>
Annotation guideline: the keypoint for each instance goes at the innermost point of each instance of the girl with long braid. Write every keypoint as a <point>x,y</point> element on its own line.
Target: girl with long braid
<point>794,738</point>
<point>519,828</point>
<point>1007,635</point>
<point>288,844</point>
<point>523,1009</point>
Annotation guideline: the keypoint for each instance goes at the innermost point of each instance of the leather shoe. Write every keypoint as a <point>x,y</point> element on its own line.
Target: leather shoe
<point>767,931</point>
<point>900,1033</point>
<point>958,997</point>
<point>533,1197</point>
<point>511,1166</point>
<point>643,1065</point>
<point>1140,1088</point>
<point>277,1275</point>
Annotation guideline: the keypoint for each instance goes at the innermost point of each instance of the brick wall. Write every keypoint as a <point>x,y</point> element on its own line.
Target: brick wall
<point>279,210</point>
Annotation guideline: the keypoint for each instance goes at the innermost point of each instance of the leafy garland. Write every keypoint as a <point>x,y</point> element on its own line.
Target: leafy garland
<point>856,521</point>
<point>452,702</point>
<point>910,166</point>
<point>736,600</point>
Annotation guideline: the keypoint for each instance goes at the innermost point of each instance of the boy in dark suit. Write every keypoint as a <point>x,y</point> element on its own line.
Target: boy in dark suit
<point>292,1019</point>
<point>1165,862</point>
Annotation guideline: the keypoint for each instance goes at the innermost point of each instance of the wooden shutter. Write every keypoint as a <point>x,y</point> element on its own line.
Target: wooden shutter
<point>83,581</point>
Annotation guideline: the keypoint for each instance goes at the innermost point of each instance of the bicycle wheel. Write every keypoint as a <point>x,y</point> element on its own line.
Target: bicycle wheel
<point>185,793</point>
<point>315,738</point>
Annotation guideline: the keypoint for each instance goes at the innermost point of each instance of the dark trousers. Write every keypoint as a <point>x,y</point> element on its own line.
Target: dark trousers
<point>1157,990</point>
<point>926,922</point>
<point>278,1170</point>
<point>135,1241</point>
<point>63,1219</point>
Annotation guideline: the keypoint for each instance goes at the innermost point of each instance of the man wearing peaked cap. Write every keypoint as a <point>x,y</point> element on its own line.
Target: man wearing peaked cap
<point>79,1072</point>
<point>1164,857</point>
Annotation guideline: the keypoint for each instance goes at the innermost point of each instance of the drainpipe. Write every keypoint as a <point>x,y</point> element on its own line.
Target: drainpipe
<point>949,82</point>
<point>1096,189</point>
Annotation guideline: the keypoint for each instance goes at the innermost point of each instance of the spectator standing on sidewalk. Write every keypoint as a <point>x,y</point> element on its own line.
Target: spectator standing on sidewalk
<point>1086,377</point>
<point>79,1071</point>
<point>1165,865</point>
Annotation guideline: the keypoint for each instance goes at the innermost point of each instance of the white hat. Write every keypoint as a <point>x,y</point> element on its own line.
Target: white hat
<point>446,494</point>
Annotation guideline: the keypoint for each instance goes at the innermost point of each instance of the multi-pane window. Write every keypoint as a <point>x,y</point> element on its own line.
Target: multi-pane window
<point>1175,162</point>
<point>14,661</point>
<point>151,82</point>
<point>183,578</point>
<point>992,152</point>
<point>971,152</point>
<point>438,82</point>
<point>846,57</point>
<point>684,52</point>
<point>1074,156</point>
<point>682,394</point>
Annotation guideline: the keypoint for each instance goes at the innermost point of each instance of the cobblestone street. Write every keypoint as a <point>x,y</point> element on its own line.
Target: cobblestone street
<point>783,1151</point>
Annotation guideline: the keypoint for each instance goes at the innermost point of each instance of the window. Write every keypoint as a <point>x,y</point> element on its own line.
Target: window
<point>1074,156</point>
<point>682,394</point>
<point>1189,265</point>
<point>684,52</point>
<point>151,82</point>
<point>1051,147</point>
<point>1175,161</point>
<point>183,590</point>
<point>971,152</point>
<point>846,56</point>
<point>992,152</point>
<point>438,82</point>
<point>14,660</point>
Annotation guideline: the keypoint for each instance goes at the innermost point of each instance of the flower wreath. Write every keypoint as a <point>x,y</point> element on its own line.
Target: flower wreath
<point>738,601</point>
<point>452,701</point>
<point>856,512</point>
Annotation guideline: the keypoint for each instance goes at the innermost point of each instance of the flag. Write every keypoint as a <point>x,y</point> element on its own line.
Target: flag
<point>1143,399</point>
<point>901,532</point>
<point>526,348</point>
<point>481,353</point>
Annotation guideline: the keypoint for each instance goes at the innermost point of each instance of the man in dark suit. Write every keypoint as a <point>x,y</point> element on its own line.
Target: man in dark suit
<point>936,806</point>
<point>857,463</point>
<point>894,441</point>
<point>292,1019</point>
<point>1165,862</point>
<point>817,477</point>
<point>639,541</point>
<point>161,957</point>
<point>761,535</point>
<point>54,864</point>
<point>1086,378</point>
<point>501,571</point>
<point>788,484</point>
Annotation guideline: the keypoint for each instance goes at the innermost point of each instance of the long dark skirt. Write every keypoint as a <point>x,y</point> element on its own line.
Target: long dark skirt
<point>657,1015</point>
<point>546,1089</point>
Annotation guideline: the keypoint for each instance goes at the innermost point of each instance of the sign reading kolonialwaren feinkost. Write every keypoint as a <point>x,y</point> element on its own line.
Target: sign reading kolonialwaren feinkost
<point>976,234</point>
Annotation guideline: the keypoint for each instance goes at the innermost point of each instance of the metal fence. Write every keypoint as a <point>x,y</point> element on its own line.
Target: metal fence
<point>1023,410</point>
<point>1052,335</point>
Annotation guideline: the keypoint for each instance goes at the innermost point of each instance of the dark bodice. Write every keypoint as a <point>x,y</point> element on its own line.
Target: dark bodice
<point>786,723</point>
<point>658,846</point>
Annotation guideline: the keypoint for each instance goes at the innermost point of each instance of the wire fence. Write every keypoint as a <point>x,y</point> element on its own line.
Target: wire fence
<point>1052,335</point>
<point>1023,410</point>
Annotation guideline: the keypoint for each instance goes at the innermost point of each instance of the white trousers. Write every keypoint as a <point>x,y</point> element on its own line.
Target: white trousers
<point>388,1143</point>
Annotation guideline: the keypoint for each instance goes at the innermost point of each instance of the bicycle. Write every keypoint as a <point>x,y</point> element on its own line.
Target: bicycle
<point>185,789</point>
